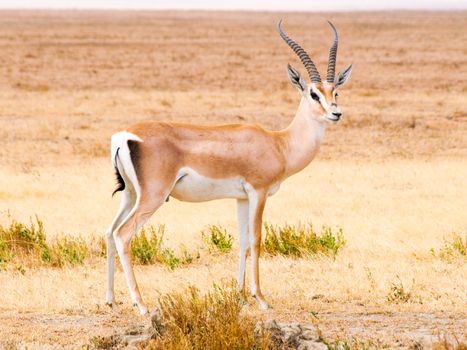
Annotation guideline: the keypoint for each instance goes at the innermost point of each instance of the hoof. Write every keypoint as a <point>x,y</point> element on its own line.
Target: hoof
<point>143,310</point>
<point>263,305</point>
<point>112,305</point>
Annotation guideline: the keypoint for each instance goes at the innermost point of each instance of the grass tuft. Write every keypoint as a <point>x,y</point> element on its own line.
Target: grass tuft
<point>212,321</point>
<point>104,343</point>
<point>354,344</point>
<point>169,259</point>
<point>28,244</point>
<point>218,239</point>
<point>69,251</point>
<point>453,343</point>
<point>398,293</point>
<point>454,247</point>
<point>302,240</point>
<point>20,241</point>
<point>147,249</point>
<point>146,246</point>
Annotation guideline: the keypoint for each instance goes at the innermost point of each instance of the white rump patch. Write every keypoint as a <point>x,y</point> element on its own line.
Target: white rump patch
<point>124,164</point>
<point>120,140</point>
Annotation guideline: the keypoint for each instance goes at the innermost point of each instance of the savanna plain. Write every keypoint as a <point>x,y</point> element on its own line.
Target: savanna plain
<point>392,174</point>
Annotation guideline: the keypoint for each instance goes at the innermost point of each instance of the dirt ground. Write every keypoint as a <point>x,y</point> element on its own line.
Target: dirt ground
<point>393,330</point>
<point>392,174</point>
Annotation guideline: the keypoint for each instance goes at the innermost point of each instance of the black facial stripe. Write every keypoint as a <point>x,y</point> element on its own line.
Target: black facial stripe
<point>314,96</point>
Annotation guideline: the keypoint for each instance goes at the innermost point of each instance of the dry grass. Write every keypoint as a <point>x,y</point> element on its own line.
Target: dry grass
<point>210,321</point>
<point>398,293</point>
<point>99,75</point>
<point>369,205</point>
<point>444,344</point>
<point>354,344</point>
<point>393,174</point>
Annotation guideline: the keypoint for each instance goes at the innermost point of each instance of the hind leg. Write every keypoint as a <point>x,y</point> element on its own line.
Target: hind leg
<point>143,210</point>
<point>127,202</point>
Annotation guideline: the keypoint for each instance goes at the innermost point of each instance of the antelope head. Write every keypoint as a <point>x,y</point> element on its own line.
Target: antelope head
<point>320,97</point>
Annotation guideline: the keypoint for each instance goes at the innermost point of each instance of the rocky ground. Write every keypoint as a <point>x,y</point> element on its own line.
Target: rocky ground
<point>114,331</point>
<point>415,331</point>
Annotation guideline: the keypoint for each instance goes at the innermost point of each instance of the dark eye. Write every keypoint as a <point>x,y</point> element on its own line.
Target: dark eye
<point>314,96</point>
<point>337,94</point>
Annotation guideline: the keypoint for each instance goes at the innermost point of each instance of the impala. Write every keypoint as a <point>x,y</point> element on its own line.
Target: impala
<point>194,163</point>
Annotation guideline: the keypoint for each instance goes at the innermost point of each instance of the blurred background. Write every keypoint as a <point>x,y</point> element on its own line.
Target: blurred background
<point>260,5</point>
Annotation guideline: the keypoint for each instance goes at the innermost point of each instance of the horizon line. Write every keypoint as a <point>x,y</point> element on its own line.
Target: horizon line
<point>154,9</point>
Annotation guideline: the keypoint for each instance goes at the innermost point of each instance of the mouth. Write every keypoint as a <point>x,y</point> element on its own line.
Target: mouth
<point>333,119</point>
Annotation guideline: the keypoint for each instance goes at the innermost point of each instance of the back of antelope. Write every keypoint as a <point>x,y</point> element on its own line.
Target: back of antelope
<point>194,163</point>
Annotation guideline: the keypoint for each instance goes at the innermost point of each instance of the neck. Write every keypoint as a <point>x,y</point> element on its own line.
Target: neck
<point>303,138</point>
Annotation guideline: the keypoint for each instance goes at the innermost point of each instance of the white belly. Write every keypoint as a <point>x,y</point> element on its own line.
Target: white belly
<point>193,187</point>
<point>273,189</point>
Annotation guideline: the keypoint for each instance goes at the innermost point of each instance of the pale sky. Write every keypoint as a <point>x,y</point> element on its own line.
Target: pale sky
<point>261,5</point>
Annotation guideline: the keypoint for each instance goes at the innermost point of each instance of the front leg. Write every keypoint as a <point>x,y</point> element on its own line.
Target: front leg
<point>244,243</point>
<point>257,201</point>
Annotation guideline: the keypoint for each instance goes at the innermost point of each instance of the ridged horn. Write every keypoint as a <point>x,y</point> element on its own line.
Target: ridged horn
<point>306,60</point>
<point>332,56</point>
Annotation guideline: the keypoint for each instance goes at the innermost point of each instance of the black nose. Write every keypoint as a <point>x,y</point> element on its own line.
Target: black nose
<point>338,115</point>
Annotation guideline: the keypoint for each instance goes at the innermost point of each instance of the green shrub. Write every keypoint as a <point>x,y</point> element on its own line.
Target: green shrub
<point>187,257</point>
<point>302,240</point>
<point>218,239</point>
<point>19,240</point>
<point>27,245</point>
<point>147,249</point>
<point>68,251</point>
<point>169,259</point>
<point>4,252</point>
<point>454,247</point>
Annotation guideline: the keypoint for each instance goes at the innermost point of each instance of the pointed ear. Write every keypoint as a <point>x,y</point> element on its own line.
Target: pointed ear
<point>295,78</point>
<point>343,76</point>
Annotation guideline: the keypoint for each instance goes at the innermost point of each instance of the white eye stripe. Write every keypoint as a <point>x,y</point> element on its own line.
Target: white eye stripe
<point>322,100</point>
<point>317,92</point>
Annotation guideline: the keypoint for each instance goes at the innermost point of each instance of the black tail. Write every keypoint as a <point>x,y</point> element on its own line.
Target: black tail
<point>120,182</point>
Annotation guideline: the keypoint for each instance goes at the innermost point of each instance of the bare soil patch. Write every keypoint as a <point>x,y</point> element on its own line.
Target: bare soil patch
<point>404,330</point>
